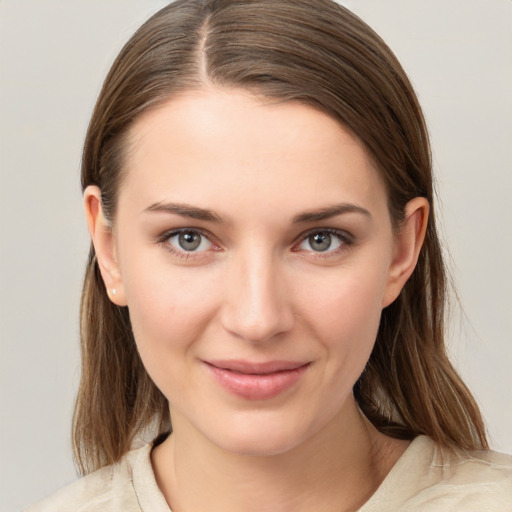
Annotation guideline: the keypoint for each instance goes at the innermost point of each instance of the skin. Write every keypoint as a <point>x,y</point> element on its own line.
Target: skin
<point>256,289</point>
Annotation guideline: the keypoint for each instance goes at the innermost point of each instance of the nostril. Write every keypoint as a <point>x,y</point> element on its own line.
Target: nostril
<point>256,308</point>
<point>258,325</point>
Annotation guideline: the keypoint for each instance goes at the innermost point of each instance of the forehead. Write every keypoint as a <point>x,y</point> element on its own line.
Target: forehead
<point>217,145</point>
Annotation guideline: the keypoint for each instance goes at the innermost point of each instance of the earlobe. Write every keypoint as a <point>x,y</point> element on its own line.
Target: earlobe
<point>409,241</point>
<point>102,238</point>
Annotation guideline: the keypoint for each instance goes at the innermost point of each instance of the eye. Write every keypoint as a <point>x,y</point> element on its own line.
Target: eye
<point>189,240</point>
<point>323,241</point>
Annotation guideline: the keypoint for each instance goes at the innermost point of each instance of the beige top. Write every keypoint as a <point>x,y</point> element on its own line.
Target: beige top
<point>425,479</point>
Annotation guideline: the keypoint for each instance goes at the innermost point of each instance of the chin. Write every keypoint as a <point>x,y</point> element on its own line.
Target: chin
<point>258,446</point>
<point>260,435</point>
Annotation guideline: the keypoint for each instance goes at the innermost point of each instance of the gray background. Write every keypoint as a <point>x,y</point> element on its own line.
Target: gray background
<point>54,55</point>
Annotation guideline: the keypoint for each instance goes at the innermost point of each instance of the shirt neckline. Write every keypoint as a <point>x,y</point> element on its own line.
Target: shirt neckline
<point>402,475</point>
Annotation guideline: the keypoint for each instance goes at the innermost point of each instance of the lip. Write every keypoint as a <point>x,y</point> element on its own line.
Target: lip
<point>256,381</point>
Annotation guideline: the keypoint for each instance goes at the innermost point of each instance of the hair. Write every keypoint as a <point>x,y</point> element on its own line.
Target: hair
<point>320,54</point>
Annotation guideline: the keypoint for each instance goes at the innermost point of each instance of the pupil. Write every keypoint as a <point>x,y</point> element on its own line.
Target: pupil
<point>320,241</point>
<point>189,241</point>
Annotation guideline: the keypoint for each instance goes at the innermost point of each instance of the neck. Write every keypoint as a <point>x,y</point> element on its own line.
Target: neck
<point>338,469</point>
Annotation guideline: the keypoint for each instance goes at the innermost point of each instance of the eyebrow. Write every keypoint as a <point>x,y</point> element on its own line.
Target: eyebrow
<point>185,210</point>
<point>194,212</point>
<point>327,213</point>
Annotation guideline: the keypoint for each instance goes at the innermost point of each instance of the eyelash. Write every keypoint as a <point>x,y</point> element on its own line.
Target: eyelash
<point>184,255</point>
<point>344,237</point>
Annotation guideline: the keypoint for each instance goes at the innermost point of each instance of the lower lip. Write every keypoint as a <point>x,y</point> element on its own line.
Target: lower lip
<point>257,386</point>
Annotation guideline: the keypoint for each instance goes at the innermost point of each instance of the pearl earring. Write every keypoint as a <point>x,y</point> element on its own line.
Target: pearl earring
<point>114,291</point>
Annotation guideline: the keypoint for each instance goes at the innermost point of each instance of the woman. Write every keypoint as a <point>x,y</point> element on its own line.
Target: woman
<point>266,276</point>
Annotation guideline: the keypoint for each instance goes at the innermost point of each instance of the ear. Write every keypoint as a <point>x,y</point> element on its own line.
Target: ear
<point>408,243</point>
<point>102,237</point>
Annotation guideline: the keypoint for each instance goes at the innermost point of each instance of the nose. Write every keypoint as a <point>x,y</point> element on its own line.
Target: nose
<point>257,307</point>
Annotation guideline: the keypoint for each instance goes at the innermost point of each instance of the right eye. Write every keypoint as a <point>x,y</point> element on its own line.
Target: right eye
<point>188,240</point>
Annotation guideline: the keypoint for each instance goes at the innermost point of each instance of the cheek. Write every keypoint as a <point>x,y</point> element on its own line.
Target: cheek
<point>346,296</point>
<point>345,312</point>
<point>169,309</point>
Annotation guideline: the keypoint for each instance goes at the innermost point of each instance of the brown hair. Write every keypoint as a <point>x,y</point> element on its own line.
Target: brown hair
<point>320,54</point>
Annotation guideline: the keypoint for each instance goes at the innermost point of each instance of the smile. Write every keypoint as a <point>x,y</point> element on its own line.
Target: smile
<point>256,381</point>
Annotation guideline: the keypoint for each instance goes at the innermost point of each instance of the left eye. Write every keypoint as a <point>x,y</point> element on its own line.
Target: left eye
<point>189,241</point>
<point>321,241</point>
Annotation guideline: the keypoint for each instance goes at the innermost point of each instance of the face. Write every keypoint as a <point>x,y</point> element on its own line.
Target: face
<point>253,247</point>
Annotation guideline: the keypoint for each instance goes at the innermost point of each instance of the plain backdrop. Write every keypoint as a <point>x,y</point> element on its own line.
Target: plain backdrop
<point>54,55</point>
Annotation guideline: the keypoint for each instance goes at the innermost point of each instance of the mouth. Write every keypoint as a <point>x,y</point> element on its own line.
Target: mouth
<point>257,381</point>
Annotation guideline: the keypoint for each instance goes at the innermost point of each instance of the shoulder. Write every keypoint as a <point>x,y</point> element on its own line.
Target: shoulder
<point>460,480</point>
<point>88,493</point>
<point>429,478</point>
<point>109,489</point>
<point>484,468</point>
<point>478,480</point>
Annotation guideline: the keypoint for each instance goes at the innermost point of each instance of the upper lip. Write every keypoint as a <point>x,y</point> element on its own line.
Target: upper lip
<point>256,368</point>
